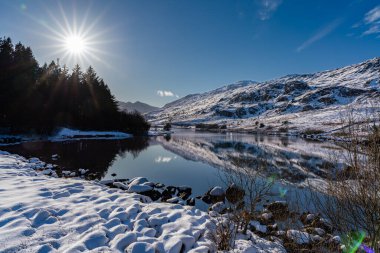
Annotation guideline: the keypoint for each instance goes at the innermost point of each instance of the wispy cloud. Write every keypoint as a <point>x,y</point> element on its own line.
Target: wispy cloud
<point>372,30</point>
<point>166,93</point>
<point>371,21</point>
<point>373,15</point>
<point>267,8</point>
<point>323,32</point>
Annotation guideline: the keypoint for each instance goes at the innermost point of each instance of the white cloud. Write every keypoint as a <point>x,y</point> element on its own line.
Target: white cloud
<point>166,93</point>
<point>372,20</point>
<point>267,8</point>
<point>373,15</point>
<point>163,159</point>
<point>372,30</point>
<point>320,34</point>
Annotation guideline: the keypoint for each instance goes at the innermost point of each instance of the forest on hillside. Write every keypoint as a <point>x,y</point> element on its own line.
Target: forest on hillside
<point>41,99</point>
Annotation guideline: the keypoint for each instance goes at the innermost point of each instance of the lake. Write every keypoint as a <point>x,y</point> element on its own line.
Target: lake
<point>193,158</point>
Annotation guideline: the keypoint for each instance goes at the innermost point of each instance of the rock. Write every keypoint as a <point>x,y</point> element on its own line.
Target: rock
<point>234,193</point>
<point>207,199</point>
<point>217,191</point>
<point>298,237</point>
<point>190,202</point>
<point>219,207</point>
<point>256,226</point>
<point>184,192</point>
<point>171,189</point>
<point>335,239</point>
<point>157,221</point>
<point>83,171</point>
<point>267,216</point>
<point>307,218</point>
<point>165,195</point>
<point>121,241</point>
<point>183,195</point>
<point>153,194</point>
<point>215,197</point>
<point>273,227</point>
<point>95,239</point>
<point>139,188</point>
<point>120,185</point>
<point>174,200</point>
<point>159,185</point>
<point>320,231</point>
<point>138,181</point>
<point>47,171</point>
<point>278,207</point>
<point>295,86</point>
<point>139,247</point>
<point>322,223</point>
<point>200,249</point>
<point>149,184</point>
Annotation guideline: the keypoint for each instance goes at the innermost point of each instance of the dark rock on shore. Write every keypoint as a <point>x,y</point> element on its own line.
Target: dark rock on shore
<point>234,194</point>
<point>153,194</point>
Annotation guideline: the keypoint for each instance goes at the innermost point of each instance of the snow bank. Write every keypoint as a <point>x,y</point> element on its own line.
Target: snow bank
<point>40,213</point>
<point>66,133</point>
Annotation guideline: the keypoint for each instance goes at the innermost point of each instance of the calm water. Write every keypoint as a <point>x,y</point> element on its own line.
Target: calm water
<point>195,159</point>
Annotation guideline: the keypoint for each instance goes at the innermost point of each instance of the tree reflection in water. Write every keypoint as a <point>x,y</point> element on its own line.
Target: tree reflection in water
<point>94,155</point>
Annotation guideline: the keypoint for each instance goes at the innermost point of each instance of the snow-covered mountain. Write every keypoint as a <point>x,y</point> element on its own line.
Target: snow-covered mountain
<point>294,101</point>
<point>136,106</point>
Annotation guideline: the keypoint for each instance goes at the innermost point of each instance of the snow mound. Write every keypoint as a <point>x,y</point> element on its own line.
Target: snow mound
<point>66,133</point>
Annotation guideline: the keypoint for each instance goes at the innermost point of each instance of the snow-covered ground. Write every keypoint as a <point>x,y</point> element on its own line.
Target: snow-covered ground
<point>64,134</point>
<point>40,213</point>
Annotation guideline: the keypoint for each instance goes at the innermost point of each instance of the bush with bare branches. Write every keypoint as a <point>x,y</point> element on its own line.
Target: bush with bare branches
<point>351,199</point>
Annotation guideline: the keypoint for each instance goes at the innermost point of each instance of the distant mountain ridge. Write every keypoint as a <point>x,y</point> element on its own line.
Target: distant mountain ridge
<point>301,101</point>
<point>136,106</point>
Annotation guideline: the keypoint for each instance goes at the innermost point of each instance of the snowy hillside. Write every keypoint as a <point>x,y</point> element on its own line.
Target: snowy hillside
<point>136,106</point>
<point>296,102</point>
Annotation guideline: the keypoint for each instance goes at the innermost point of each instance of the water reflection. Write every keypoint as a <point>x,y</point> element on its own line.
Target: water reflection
<point>94,155</point>
<point>189,157</point>
<point>287,158</point>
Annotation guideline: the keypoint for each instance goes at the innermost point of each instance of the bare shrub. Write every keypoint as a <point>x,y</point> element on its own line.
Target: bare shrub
<point>246,189</point>
<point>351,199</point>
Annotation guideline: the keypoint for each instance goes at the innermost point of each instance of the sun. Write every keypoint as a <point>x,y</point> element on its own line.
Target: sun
<point>75,44</point>
<point>73,39</point>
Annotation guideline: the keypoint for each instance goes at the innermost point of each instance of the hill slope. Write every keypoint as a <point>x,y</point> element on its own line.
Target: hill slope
<point>136,106</point>
<point>299,101</point>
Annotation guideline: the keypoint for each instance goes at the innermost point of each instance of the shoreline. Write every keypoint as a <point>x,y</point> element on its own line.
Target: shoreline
<point>70,190</point>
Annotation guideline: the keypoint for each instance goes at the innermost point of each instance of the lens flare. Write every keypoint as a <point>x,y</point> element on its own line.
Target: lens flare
<point>353,241</point>
<point>271,179</point>
<point>367,249</point>
<point>282,191</point>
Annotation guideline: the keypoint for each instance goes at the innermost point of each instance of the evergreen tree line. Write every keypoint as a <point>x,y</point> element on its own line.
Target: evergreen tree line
<point>42,99</point>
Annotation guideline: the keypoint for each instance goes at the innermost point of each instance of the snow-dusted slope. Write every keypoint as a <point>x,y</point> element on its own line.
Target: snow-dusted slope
<point>299,101</point>
<point>136,106</point>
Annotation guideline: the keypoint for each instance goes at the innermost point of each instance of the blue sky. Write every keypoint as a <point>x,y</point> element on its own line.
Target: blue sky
<point>155,51</point>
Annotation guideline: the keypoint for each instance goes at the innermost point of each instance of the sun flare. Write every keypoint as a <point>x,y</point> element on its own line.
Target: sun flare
<point>75,44</point>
